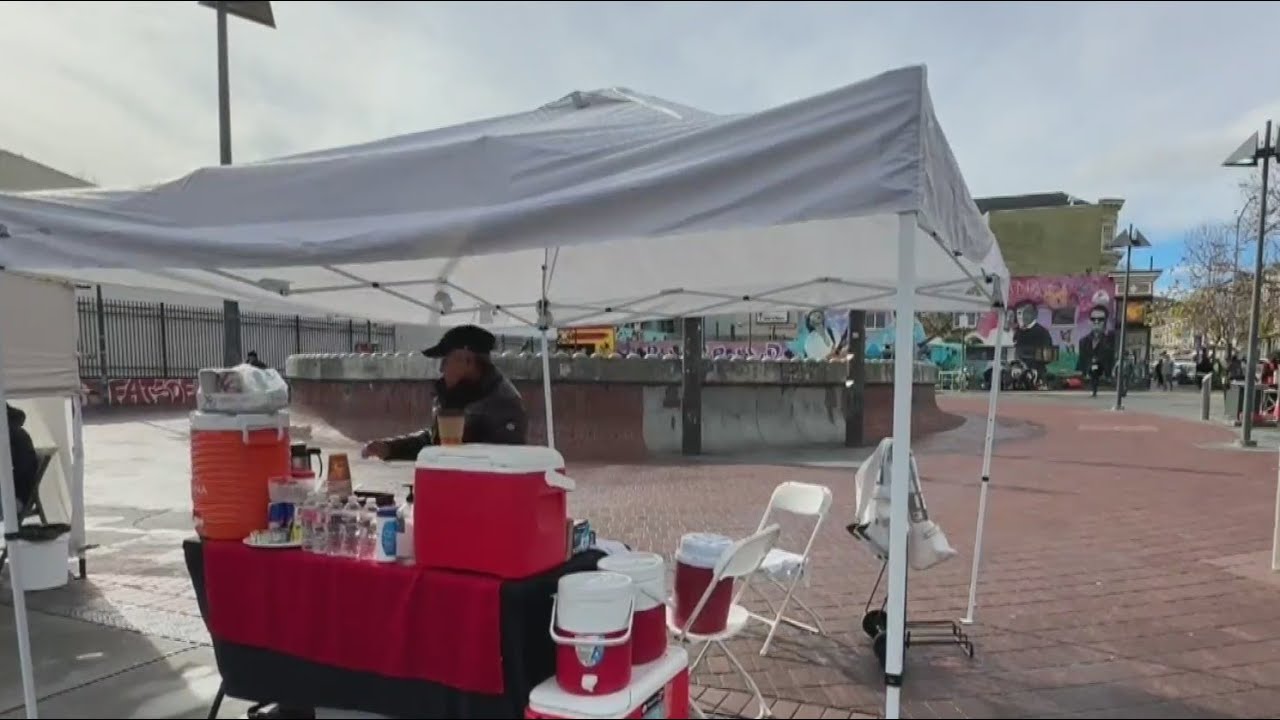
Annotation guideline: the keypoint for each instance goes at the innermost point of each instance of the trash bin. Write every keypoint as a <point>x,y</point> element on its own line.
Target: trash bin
<point>1233,402</point>
<point>39,557</point>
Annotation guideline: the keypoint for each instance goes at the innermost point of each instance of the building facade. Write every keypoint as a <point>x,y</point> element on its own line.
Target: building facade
<point>1054,234</point>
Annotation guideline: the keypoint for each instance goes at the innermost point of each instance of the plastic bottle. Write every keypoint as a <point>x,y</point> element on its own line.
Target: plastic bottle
<point>385,534</point>
<point>305,520</point>
<point>369,529</point>
<point>404,529</point>
<point>333,526</point>
<point>351,528</point>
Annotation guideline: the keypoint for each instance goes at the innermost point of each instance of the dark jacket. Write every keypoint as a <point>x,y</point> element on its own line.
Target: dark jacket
<point>494,411</point>
<point>25,461</point>
<point>1095,348</point>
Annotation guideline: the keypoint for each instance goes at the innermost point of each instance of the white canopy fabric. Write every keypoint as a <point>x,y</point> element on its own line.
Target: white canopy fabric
<point>610,206</point>
<point>38,320</point>
<point>638,207</point>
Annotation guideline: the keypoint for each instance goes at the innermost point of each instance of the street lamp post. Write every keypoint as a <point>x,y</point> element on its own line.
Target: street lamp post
<point>1251,153</point>
<point>1129,239</point>
<point>257,12</point>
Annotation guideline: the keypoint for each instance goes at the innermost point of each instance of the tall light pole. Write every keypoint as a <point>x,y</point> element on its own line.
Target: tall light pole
<point>255,11</point>
<point>1129,239</point>
<point>258,12</point>
<point>1251,153</point>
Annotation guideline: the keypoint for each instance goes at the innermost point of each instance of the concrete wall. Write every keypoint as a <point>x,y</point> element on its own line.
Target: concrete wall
<point>620,409</point>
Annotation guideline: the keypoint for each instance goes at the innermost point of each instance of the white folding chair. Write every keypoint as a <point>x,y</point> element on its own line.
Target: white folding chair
<point>785,569</point>
<point>738,562</point>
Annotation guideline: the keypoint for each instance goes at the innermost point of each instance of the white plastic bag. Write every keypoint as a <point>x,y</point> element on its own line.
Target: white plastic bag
<point>927,545</point>
<point>243,389</point>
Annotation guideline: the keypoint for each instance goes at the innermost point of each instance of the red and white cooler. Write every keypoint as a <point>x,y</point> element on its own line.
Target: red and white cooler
<point>648,573</point>
<point>591,627</point>
<point>659,689</point>
<point>494,509</point>
<point>696,561</point>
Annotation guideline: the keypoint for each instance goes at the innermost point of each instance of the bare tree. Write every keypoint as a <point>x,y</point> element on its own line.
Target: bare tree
<point>1212,294</point>
<point>938,325</point>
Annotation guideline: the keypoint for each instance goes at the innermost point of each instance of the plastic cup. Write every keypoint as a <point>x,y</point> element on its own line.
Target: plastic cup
<point>451,424</point>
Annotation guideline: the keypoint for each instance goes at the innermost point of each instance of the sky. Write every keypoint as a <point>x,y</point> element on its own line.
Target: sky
<point>1135,100</point>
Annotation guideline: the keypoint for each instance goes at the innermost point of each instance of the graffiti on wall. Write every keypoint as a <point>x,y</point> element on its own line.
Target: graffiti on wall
<point>730,348</point>
<point>1060,324</point>
<point>823,334</point>
<point>820,335</point>
<point>152,391</point>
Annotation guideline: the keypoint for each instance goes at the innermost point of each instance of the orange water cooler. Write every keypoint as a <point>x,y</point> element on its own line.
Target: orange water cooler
<point>232,459</point>
<point>659,689</point>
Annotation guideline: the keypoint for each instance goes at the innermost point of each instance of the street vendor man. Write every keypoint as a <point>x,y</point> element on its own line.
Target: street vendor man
<point>468,383</point>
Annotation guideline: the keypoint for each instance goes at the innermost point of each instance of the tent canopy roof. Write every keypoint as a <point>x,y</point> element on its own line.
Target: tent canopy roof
<point>635,206</point>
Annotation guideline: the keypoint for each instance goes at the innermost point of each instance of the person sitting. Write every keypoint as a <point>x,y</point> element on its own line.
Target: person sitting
<point>26,463</point>
<point>470,383</point>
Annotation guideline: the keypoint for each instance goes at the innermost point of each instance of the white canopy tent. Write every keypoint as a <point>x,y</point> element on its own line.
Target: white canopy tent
<point>601,208</point>
<point>39,374</point>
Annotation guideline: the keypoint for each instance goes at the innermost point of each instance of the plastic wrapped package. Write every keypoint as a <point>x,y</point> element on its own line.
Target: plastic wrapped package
<point>243,389</point>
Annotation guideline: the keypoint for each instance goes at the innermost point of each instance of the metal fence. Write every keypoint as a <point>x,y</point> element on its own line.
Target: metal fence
<point>160,340</point>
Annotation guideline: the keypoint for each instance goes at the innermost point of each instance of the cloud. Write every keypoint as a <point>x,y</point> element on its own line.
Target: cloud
<point>1133,100</point>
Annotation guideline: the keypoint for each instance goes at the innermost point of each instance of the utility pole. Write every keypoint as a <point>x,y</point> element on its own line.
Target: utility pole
<point>1254,152</point>
<point>1129,239</point>
<point>257,12</point>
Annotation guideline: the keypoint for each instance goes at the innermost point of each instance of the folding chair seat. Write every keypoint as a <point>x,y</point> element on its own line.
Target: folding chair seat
<point>785,569</point>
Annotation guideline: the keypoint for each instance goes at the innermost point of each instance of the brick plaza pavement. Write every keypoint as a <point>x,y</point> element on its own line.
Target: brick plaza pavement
<point>1125,574</point>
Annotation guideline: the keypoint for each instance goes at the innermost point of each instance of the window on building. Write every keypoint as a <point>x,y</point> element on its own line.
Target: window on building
<point>1108,235</point>
<point>877,320</point>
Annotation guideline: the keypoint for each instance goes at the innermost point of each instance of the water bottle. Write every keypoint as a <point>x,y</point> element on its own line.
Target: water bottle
<point>333,526</point>
<point>368,529</point>
<point>305,520</point>
<point>351,528</point>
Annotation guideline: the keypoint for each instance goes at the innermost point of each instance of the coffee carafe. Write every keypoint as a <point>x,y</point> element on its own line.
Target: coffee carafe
<point>300,467</point>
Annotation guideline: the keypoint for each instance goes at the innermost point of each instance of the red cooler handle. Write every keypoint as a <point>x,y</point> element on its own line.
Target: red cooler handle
<point>592,640</point>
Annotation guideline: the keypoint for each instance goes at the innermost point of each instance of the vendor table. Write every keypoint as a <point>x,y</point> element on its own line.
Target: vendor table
<point>310,630</point>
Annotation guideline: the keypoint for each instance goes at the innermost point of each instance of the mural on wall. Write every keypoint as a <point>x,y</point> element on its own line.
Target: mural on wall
<point>1060,323</point>
<point>819,336</point>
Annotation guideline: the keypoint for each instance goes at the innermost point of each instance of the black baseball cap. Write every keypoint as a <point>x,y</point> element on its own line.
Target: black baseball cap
<point>464,337</point>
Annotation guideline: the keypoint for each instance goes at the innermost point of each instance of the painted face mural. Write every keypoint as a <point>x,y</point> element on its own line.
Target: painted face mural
<point>1056,322</point>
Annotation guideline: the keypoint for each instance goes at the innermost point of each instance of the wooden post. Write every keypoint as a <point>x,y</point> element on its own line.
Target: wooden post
<point>231,353</point>
<point>855,385</point>
<point>691,388</point>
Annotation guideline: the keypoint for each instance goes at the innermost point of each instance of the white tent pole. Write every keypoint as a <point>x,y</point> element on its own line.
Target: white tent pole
<point>9,503</point>
<point>78,538</point>
<point>546,390</point>
<point>1275,534</point>
<point>992,402</point>
<point>544,326</point>
<point>904,358</point>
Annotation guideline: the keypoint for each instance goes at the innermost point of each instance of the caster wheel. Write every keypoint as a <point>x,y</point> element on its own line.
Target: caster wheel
<point>879,645</point>
<point>875,622</point>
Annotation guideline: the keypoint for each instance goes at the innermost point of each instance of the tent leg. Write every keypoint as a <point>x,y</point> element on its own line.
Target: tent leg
<point>78,538</point>
<point>546,390</point>
<point>992,402</point>
<point>9,502</point>
<point>904,357</point>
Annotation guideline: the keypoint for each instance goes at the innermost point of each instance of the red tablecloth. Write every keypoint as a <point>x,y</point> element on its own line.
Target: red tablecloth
<point>397,621</point>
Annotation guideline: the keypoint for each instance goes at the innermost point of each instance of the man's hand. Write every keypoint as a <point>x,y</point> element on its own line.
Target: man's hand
<point>376,449</point>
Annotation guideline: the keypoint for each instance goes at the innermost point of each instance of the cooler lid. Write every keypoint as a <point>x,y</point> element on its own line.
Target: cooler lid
<point>223,422</point>
<point>497,459</point>
<point>549,699</point>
